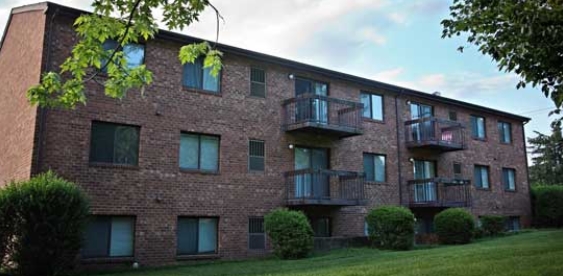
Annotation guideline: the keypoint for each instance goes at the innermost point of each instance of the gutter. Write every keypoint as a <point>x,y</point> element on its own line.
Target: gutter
<point>398,148</point>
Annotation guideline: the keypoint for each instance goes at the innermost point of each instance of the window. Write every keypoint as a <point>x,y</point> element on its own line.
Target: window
<point>199,152</point>
<point>196,236</point>
<point>199,77</point>
<point>256,156</point>
<point>478,127</point>
<point>374,167</point>
<point>421,111</point>
<point>373,105</point>
<point>257,82</point>
<point>256,234</point>
<point>453,116</point>
<point>481,175</point>
<point>505,132</point>
<point>107,236</point>
<point>457,170</point>
<point>134,53</point>
<point>321,227</point>
<point>508,178</point>
<point>114,143</point>
<point>512,224</point>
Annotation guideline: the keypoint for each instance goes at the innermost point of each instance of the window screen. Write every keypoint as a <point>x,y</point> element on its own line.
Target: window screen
<point>256,155</point>
<point>257,82</point>
<point>256,234</point>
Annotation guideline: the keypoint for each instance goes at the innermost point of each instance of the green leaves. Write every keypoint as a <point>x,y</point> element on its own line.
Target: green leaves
<point>89,62</point>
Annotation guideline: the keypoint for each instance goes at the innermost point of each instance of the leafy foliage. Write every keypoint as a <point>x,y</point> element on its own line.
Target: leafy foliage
<point>547,157</point>
<point>135,23</point>
<point>290,232</point>
<point>492,225</point>
<point>454,226</point>
<point>42,221</point>
<point>391,227</point>
<point>524,37</point>
<point>547,203</point>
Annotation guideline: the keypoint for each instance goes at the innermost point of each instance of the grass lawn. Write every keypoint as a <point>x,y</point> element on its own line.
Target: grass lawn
<point>526,254</point>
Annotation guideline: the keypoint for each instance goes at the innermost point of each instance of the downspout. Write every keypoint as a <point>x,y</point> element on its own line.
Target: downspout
<point>42,110</point>
<point>527,169</point>
<point>398,148</point>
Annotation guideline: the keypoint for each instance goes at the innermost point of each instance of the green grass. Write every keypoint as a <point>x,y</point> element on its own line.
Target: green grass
<point>526,254</point>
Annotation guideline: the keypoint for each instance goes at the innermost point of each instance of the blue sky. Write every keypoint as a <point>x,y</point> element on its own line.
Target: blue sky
<point>398,42</point>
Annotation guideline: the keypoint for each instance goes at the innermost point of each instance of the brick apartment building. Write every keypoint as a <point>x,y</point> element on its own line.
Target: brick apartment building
<point>188,170</point>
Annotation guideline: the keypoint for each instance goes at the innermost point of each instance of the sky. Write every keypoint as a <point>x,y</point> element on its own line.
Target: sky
<point>393,41</point>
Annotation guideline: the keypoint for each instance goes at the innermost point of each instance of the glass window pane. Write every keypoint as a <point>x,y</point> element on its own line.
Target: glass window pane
<point>189,151</point>
<point>481,127</point>
<point>126,145</point>
<point>209,153</point>
<point>134,54</point>
<point>210,82</point>
<point>256,235</point>
<point>258,89</point>
<point>257,75</point>
<point>207,242</point>
<point>192,74</point>
<point>485,177</point>
<point>303,86</point>
<point>477,177</point>
<point>101,144</point>
<point>369,168</point>
<point>379,161</point>
<point>122,236</point>
<point>376,107</point>
<point>187,236</point>
<point>366,100</point>
<point>256,155</point>
<point>415,114</point>
<point>96,237</point>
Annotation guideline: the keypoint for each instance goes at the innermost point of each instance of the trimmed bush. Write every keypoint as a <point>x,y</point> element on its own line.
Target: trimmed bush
<point>391,227</point>
<point>290,232</point>
<point>45,221</point>
<point>454,226</point>
<point>493,225</point>
<point>547,202</point>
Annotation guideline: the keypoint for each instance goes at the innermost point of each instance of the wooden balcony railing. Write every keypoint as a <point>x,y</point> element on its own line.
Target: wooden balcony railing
<point>439,192</point>
<point>434,133</point>
<point>323,115</point>
<point>325,187</point>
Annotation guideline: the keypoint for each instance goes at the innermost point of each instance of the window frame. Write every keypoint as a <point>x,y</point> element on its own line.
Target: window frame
<point>500,126</point>
<point>488,169</point>
<point>199,153</point>
<point>263,157</point>
<point>219,91</point>
<point>102,163</point>
<point>110,217</point>
<point>453,118</point>
<point>198,218</point>
<point>504,183</point>
<point>314,220</point>
<point>484,138</point>
<point>371,94</point>
<point>460,174</point>
<point>263,234</point>
<point>251,82</point>
<point>372,155</point>
<point>121,48</point>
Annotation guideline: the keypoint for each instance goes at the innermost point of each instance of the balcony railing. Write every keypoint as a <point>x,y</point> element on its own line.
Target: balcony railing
<point>323,115</point>
<point>434,133</point>
<point>439,192</point>
<point>325,187</point>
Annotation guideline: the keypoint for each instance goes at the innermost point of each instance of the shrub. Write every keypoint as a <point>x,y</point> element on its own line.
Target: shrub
<point>454,226</point>
<point>547,202</point>
<point>47,216</point>
<point>391,227</point>
<point>493,225</point>
<point>290,232</point>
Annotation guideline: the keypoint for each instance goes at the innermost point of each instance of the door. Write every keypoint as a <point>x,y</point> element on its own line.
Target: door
<point>312,110</point>
<point>315,184</point>
<point>424,191</point>
<point>425,130</point>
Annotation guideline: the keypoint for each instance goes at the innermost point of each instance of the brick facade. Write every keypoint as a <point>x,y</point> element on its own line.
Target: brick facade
<point>156,191</point>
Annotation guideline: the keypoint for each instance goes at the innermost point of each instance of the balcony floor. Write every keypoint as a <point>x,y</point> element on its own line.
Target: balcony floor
<point>435,145</point>
<point>325,202</point>
<point>323,129</point>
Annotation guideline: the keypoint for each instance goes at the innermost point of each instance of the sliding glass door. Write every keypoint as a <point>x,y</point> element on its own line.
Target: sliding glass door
<point>425,130</point>
<point>314,184</point>
<point>314,110</point>
<point>425,189</point>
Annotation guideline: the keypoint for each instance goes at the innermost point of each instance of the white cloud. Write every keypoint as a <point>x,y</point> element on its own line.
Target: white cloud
<point>372,35</point>
<point>388,75</point>
<point>398,18</point>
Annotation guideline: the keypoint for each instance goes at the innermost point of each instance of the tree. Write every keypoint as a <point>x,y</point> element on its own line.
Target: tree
<point>524,37</point>
<point>133,22</point>
<point>547,152</point>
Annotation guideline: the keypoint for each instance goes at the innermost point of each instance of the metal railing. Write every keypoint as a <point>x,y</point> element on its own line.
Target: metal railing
<point>431,131</point>
<point>439,192</point>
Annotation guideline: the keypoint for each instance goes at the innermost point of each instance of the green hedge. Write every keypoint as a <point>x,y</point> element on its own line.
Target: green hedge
<point>547,202</point>
<point>42,224</point>
<point>454,226</point>
<point>493,225</point>
<point>391,227</point>
<point>290,232</point>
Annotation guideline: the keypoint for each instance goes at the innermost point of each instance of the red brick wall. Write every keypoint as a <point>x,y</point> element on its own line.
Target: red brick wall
<point>20,67</point>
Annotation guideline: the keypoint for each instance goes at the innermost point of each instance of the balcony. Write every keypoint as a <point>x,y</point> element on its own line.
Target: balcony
<point>434,134</point>
<point>439,192</point>
<point>317,114</point>
<point>325,187</point>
